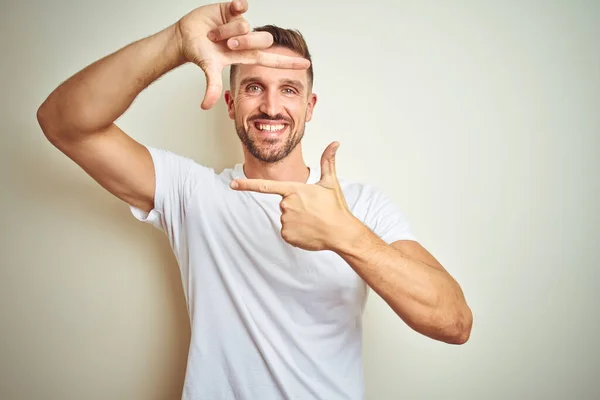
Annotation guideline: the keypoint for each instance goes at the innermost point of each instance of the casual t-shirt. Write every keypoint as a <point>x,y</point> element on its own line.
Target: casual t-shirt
<point>269,320</point>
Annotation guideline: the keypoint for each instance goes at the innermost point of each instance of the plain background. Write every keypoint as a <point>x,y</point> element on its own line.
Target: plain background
<point>481,119</point>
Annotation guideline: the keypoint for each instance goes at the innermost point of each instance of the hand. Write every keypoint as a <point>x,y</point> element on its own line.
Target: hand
<point>216,35</point>
<point>313,216</point>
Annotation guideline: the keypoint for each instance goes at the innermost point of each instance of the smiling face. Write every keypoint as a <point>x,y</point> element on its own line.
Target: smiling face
<point>270,107</point>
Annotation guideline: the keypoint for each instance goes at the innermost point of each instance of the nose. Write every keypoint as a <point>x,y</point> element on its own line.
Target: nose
<point>271,103</point>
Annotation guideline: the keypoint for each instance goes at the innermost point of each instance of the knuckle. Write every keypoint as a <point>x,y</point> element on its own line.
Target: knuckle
<point>244,26</point>
<point>203,65</point>
<point>218,33</point>
<point>258,56</point>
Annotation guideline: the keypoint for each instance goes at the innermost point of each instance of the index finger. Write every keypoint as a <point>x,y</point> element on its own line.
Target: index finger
<point>268,59</point>
<point>263,186</point>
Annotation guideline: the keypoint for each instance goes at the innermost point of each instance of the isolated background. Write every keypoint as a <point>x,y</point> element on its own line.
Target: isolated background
<point>481,119</point>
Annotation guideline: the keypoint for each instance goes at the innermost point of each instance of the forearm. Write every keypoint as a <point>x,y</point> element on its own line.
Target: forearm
<point>427,298</point>
<point>99,94</point>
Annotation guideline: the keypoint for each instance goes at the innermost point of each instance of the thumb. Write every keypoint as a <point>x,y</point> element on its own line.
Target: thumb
<point>214,85</point>
<point>328,173</point>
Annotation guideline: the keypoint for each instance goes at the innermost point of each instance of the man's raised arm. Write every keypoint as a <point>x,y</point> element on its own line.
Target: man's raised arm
<point>78,117</point>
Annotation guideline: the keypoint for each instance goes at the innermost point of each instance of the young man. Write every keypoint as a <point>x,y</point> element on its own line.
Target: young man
<point>276,258</point>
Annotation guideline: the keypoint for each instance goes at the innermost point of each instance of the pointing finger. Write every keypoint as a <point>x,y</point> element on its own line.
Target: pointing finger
<point>263,186</point>
<point>268,59</point>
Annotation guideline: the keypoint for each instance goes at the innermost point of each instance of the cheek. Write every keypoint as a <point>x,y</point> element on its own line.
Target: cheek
<point>246,105</point>
<point>240,110</point>
<point>296,110</point>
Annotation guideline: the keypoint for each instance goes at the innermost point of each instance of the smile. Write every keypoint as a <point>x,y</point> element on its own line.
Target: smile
<point>270,128</point>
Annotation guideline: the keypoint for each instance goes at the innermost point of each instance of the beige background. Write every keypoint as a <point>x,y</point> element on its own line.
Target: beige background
<point>481,119</point>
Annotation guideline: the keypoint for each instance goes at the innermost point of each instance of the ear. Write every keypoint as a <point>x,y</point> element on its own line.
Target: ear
<point>312,101</point>
<point>229,101</point>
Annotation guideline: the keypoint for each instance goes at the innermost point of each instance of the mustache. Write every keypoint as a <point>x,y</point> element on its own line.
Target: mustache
<point>278,117</point>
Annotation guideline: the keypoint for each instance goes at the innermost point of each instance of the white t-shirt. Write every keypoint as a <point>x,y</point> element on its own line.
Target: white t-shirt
<point>269,320</point>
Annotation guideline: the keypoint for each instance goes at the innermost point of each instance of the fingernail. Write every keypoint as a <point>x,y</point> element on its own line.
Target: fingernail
<point>234,43</point>
<point>234,185</point>
<point>211,36</point>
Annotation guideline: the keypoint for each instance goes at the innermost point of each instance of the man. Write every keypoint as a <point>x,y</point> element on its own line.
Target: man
<point>275,257</point>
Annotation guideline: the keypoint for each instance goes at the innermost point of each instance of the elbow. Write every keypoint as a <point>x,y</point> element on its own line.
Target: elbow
<point>49,119</point>
<point>451,326</point>
<point>461,327</point>
<point>42,116</point>
<point>44,119</point>
<point>460,337</point>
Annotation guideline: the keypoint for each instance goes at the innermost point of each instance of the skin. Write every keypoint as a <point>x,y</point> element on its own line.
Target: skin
<point>316,217</point>
<point>411,281</point>
<point>79,116</point>
<point>269,96</point>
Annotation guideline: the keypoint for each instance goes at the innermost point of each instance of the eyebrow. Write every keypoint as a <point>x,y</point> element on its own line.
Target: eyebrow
<point>290,82</point>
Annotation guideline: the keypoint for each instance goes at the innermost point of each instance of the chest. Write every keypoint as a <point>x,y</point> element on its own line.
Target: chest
<point>241,239</point>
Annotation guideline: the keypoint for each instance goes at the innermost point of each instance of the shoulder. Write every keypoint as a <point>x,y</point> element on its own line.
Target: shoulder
<point>169,159</point>
<point>175,168</point>
<point>376,209</point>
<point>360,193</point>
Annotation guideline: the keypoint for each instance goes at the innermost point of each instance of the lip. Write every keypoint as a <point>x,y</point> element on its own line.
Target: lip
<point>270,122</point>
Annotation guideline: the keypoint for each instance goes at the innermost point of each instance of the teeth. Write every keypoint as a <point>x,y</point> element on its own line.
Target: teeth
<point>270,128</point>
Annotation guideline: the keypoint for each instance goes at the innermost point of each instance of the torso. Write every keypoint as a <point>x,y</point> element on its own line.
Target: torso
<point>269,320</point>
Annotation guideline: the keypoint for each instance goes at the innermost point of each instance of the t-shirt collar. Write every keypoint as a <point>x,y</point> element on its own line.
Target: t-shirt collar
<point>313,177</point>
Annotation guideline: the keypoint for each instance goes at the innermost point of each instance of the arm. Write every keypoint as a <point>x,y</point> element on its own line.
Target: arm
<point>411,281</point>
<point>78,116</point>
<point>404,274</point>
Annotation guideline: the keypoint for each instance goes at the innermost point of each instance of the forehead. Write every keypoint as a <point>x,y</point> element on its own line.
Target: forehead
<point>272,75</point>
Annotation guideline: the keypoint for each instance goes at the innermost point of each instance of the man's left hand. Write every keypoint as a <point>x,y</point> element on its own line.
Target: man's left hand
<point>313,216</point>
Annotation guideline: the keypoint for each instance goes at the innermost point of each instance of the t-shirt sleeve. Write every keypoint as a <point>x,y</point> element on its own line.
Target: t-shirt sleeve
<point>386,220</point>
<point>176,179</point>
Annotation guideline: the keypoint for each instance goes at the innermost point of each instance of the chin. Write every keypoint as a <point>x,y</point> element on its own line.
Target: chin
<point>269,149</point>
<point>268,155</point>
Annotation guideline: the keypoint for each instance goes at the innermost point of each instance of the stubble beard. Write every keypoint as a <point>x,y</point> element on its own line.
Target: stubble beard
<point>270,150</point>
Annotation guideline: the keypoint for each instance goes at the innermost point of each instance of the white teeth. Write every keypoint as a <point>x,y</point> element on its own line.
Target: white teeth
<point>270,128</point>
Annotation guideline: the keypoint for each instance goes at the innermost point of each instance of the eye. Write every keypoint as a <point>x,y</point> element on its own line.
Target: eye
<point>253,88</point>
<point>289,91</point>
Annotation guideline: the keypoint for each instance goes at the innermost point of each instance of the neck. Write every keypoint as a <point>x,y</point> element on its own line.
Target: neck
<point>290,169</point>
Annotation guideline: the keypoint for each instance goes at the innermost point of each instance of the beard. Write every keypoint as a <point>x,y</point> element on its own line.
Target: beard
<point>270,150</point>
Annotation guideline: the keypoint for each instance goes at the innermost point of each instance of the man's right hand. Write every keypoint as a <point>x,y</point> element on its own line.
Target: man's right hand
<point>217,35</point>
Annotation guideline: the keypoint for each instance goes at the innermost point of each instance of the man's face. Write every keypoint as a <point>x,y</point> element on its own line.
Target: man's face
<point>270,107</point>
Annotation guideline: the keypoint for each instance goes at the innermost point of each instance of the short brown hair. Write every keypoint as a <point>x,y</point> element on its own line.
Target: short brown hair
<point>290,39</point>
